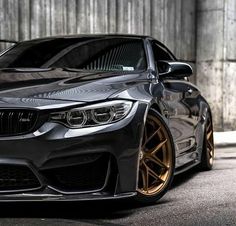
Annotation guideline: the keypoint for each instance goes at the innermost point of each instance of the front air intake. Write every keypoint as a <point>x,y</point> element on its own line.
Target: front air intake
<point>88,176</point>
<point>17,178</point>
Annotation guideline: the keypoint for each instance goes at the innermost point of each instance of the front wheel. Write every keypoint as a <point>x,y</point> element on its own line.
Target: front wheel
<point>156,160</point>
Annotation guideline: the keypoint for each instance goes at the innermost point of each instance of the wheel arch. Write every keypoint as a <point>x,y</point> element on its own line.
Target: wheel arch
<point>156,107</point>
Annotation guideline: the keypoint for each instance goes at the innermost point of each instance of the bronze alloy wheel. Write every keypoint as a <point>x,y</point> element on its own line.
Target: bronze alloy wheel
<point>156,159</point>
<point>209,141</point>
<point>208,147</point>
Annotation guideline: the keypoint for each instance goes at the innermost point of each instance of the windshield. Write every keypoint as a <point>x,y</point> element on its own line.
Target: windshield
<point>96,54</point>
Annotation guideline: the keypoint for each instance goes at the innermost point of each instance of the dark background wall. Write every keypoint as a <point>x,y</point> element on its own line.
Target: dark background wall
<point>197,31</point>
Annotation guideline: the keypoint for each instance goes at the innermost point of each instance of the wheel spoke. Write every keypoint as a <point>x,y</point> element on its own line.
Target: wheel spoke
<point>150,138</point>
<point>210,145</point>
<point>209,134</point>
<point>144,179</point>
<point>152,173</point>
<point>156,160</point>
<point>210,153</point>
<point>158,147</point>
<point>209,127</point>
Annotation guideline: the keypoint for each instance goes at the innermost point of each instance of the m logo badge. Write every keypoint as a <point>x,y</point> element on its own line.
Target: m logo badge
<point>24,120</point>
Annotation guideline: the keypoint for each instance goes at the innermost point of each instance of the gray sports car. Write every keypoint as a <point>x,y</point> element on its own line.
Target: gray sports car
<point>98,117</point>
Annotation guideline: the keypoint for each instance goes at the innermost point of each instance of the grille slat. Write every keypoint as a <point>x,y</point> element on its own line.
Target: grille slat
<point>17,121</point>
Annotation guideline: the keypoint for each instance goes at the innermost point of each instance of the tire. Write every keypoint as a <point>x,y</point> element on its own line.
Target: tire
<point>156,160</point>
<point>207,147</point>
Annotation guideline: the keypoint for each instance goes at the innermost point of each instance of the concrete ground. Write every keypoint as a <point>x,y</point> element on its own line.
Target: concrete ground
<point>225,139</point>
<point>196,198</point>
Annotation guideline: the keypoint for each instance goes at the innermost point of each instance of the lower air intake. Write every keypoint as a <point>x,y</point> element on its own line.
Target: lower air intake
<point>84,177</point>
<point>17,177</point>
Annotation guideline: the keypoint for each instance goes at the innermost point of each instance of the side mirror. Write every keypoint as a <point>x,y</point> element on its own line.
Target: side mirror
<point>174,69</point>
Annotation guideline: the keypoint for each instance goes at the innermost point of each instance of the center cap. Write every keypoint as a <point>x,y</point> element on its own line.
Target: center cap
<point>141,155</point>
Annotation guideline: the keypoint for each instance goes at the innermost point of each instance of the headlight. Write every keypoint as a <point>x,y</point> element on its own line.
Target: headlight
<point>76,118</point>
<point>93,115</point>
<point>103,115</point>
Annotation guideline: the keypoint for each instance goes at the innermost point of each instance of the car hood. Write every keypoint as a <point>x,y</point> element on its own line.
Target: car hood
<point>35,86</point>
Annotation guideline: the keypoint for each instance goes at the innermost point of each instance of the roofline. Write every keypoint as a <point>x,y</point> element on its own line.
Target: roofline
<point>91,35</point>
<point>144,37</point>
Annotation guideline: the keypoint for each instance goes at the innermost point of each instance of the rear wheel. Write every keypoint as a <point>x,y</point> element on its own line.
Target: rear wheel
<point>208,147</point>
<point>156,160</point>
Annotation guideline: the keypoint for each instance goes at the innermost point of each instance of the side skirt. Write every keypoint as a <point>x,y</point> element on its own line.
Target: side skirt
<point>186,167</point>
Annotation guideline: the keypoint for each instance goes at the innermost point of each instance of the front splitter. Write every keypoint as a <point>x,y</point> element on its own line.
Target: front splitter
<point>27,197</point>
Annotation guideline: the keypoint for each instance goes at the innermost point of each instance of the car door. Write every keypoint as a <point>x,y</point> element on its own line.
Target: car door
<point>179,101</point>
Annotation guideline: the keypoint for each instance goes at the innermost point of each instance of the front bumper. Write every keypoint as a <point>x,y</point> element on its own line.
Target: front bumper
<point>55,147</point>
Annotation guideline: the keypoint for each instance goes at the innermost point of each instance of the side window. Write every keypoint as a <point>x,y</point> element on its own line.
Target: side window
<point>160,53</point>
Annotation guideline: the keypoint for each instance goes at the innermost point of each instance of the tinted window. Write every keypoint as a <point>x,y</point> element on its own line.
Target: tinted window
<point>160,53</point>
<point>106,54</point>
